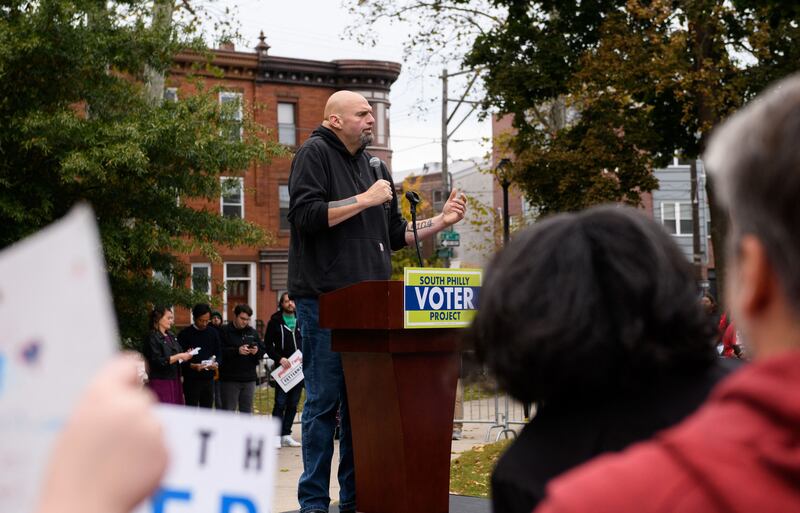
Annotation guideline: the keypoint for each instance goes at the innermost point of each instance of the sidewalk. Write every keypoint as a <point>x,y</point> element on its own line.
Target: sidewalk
<point>290,466</point>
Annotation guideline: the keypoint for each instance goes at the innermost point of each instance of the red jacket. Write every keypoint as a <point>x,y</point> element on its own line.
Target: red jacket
<point>740,453</point>
<point>728,334</point>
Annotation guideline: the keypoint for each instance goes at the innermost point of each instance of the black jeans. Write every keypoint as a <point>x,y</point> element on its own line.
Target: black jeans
<point>286,406</point>
<point>239,395</point>
<point>198,392</point>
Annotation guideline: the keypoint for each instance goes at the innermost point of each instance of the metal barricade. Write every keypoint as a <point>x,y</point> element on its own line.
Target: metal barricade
<point>484,404</point>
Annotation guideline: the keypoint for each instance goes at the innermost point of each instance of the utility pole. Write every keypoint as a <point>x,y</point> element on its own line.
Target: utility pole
<point>697,264</point>
<point>446,119</point>
<point>445,176</point>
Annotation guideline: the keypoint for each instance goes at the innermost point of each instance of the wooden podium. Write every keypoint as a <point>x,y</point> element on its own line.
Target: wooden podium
<point>401,387</point>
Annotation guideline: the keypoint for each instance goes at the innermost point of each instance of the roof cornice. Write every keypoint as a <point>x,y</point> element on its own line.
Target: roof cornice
<point>261,67</point>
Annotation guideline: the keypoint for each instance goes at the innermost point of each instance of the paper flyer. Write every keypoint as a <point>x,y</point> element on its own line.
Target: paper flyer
<point>58,330</point>
<point>287,379</point>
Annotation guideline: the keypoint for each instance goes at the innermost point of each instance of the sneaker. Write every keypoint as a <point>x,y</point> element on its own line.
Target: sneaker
<point>456,434</point>
<point>288,441</point>
<point>278,442</point>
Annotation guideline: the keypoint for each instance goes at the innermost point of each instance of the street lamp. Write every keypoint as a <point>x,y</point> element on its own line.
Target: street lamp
<point>501,171</point>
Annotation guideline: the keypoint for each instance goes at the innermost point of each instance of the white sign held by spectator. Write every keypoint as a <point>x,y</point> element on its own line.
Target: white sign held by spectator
<point>220,462</point>
<point>50,284</point>
<point>287,379</point>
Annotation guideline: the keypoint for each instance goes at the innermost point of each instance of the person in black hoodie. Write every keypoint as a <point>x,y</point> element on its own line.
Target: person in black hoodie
<point>345,222</point>
<point>198,379</point>
<point>241,352</point>
<point>282,340</point>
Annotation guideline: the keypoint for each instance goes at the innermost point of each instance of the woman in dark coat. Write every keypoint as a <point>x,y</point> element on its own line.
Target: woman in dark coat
<point>163,356</point>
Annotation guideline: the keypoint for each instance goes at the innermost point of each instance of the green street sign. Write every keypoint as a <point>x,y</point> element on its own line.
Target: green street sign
<point>448,235</point>
<point>444,253</point>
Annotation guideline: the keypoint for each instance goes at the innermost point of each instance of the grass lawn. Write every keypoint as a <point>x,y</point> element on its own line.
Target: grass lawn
<point>479,390</point>
<point>470,473</point>
<point>264,400</point>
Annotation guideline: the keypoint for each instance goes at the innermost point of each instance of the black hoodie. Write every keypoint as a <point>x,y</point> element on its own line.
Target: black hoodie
<point>280,341</point>
<point>323,258</point>
<point>235,366</point>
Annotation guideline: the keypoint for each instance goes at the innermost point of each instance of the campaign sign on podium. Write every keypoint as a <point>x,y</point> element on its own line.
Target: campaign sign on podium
<point>440,298</point>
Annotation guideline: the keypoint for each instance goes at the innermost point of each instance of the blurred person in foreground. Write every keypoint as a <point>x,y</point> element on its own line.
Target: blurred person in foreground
<point>595,317</point>
<point>739,452</point>
<point>111,454</point>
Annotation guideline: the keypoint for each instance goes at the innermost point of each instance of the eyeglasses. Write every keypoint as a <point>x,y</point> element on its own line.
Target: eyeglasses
<point>244,319</point>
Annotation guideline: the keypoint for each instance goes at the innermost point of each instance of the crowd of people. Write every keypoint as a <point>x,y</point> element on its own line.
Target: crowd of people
<point>214,365</point>
<point>594,316</point>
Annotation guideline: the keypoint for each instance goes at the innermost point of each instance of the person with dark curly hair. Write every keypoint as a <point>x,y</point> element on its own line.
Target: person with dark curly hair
<point>595,317</point>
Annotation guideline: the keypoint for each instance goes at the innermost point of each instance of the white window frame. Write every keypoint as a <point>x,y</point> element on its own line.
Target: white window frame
<point>677,206</point>
<point>381,122</point>
<point>222,203</point>
<point>174,91</point>
<point>251,296</point>
<point>286,125</point>
<point>162,278</point>
<point>199,266</point>
<point>279,207</point>
<point>239,114</point>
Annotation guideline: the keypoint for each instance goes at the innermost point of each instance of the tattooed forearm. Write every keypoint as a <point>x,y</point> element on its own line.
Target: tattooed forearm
<point>427,223</point>
<point>342,203</point>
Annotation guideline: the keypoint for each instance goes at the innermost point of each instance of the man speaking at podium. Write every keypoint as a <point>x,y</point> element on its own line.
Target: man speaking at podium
<point>344,225</point>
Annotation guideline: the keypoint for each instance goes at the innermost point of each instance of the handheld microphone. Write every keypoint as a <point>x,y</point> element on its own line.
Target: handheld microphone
<point>375,164</point>
<point>414,199</point>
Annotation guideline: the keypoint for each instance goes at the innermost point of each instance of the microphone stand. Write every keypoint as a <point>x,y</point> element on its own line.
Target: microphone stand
<point>413,199</point>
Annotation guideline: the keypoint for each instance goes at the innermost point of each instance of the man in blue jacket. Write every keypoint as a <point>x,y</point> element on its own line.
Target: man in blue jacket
<point>340,234</point>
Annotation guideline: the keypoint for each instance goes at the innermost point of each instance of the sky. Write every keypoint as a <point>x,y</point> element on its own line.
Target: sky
<point>415,134</point>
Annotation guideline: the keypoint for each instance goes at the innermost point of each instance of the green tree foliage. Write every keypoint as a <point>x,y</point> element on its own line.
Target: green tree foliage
<point>78,126</point>
<point>639,80</point>
<point>659,74</point>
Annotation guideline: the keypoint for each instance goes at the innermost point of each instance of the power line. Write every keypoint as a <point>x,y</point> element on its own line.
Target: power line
<point>414,147</point>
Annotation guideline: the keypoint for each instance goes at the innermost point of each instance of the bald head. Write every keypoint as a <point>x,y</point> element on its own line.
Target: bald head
<point>349,115</point>
<point>341,101</point>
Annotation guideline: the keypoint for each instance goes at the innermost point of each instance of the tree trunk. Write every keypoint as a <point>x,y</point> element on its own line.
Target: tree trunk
<point>702,36</point>
<point>719,234</point>
<point>162,24</point>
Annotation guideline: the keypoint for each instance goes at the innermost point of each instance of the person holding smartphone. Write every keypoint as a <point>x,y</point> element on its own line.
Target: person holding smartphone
<point>241,352</point>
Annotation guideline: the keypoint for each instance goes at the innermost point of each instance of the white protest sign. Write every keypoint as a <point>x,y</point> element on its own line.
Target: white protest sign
<point>219,462</point>
<point>50,285</point>
<point>287,379</point>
